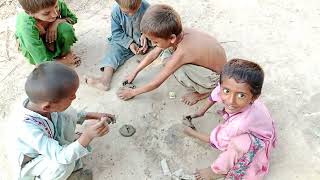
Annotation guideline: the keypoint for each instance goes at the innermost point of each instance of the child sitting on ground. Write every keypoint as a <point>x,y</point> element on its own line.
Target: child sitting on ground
<point>44,32</point>
<point>247,134</point>
<point>47,146</point>
<point>124,42</point>
<point>196,61</point>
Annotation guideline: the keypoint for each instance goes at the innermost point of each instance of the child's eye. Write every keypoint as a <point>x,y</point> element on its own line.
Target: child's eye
<point>241,95</point>
<point>226,91</point>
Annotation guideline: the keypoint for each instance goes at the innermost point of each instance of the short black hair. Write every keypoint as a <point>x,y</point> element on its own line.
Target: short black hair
<point>50,82</point>
<point>244,71</point>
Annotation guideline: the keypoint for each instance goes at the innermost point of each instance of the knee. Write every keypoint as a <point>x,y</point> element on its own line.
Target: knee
<point>65,30</point>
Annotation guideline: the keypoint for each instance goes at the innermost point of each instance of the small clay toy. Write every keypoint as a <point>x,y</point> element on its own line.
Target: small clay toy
<point>127,130</point>
<point>128,85</point>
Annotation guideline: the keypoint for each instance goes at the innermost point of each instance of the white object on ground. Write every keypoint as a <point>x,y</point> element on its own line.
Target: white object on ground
<point>180,175</point>
<point>165,168</point>
<point>177,175</point>
<point>172,95</point>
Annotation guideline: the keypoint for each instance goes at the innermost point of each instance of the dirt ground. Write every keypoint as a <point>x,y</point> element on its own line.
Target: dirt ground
<point>282,36</point>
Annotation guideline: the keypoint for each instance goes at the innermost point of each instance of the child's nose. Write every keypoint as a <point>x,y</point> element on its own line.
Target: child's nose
<point>231,99</point>
<point>54,13</point>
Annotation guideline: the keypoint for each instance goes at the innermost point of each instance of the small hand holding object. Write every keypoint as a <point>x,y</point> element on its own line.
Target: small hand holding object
<point>97,129</point>
<point>134,48</point>
<point>187,120</point>
<point>144,44</point>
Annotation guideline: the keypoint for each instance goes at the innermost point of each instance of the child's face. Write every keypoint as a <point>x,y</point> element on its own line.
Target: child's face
<point>49,14</point>
<point>235,96</point>
<point>129,12</point>
<point>63,104</point>
<point>159,42</point>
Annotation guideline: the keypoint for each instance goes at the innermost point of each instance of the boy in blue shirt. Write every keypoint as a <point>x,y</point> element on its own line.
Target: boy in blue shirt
<point>126,40</point>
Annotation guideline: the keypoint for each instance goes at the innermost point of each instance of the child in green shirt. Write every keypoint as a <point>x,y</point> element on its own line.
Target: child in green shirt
<point>44,32</point>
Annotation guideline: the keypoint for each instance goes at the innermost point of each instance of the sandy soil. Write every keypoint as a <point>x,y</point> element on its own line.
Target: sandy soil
<point>282,36</point>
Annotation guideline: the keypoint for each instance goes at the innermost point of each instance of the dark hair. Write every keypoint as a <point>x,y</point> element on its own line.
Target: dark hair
<point>33,6</point>
<point>161,21</point>
<point>129,4</point>
<point>50,82</point>
<point>244,71</point>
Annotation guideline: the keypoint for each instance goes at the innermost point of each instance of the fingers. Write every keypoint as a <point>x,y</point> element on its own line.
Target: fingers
<point>134,48</point>
<point>145,48</point>
<point>194,115</point>
<point>51,36</point>
<point>103,130</point>
<point>123,93</point>
<point>99,124</point>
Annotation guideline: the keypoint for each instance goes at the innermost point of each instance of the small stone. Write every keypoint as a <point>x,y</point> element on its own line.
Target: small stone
<point>172,95</point>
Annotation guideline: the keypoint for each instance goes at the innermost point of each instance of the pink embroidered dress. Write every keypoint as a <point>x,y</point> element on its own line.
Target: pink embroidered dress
<point>246,139</point>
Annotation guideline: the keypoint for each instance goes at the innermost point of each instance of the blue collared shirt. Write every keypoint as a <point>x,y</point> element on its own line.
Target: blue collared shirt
<point>125,29</point>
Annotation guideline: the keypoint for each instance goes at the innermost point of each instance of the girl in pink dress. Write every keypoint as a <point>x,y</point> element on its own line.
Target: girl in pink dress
<point>247,134</point>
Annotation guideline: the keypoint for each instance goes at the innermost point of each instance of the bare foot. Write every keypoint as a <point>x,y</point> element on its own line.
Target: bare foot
<point>207,174</point>
<point>97,83</point>
<point>70,59</point>
<point>192,98</point>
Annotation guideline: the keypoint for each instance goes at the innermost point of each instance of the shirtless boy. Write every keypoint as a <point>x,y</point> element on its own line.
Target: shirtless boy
<point>196,57</point>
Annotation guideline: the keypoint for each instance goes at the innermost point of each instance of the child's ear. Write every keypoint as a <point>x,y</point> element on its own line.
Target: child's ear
<point>46,107</point>
<point>173,38</point>
<point>255,97</point>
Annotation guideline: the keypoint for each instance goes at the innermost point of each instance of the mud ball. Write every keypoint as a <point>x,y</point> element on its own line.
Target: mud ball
<point>127,130</point>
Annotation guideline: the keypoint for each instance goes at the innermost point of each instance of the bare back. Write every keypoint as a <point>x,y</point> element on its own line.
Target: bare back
<point>201,49</point>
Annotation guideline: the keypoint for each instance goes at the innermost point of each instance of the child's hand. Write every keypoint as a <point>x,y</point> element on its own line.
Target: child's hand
<point>125,93</point>
<point>144,44</point>
<point>134,48</point>
<point>95,115</point>
<point>97,129</point>
<point>131,77</point>
<point>51,35</point>
<point>195,115</point>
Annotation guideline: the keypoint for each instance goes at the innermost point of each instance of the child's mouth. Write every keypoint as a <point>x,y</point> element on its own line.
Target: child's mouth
<point>230,107</point>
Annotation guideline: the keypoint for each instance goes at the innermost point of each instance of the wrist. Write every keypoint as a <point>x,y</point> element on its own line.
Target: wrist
<point>85,139</point>
<point>91,115</point>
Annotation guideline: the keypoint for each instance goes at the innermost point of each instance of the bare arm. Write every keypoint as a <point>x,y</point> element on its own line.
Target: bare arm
<point>205,108</point>
<point>201,111</point>
<point>150,57</point>
<point>171,66</point>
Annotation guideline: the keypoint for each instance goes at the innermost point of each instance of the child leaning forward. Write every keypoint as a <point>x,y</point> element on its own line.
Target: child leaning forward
<point>247,134</point>
<point>47,146</point>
